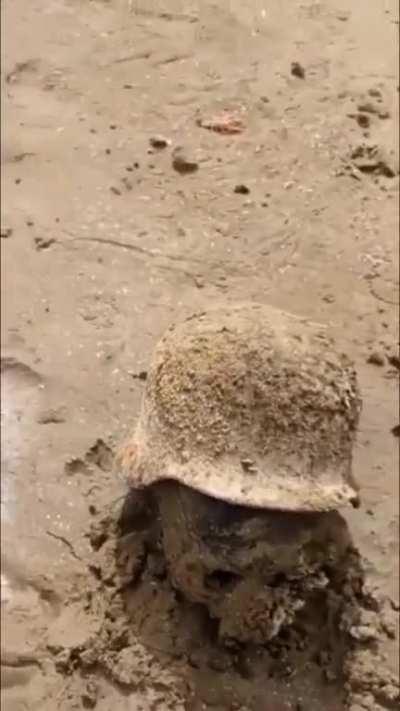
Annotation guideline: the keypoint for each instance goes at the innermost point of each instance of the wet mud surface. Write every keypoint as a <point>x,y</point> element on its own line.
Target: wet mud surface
<point>142,179</point>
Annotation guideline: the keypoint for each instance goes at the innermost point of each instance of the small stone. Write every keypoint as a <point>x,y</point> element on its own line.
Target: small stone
<point>141,375</point>
<point>376,358</point>
<point>241,189</point>
<point>52,416</point>
<point>181,163</point>
<point>158,142</point>
<point>364,632</point>
<point>394,360</point>
<point>6,232</point>
<point>115,190</point>
<point>368,108</point>
<point>297,70</point>
<point>43,243</point>
<point>329,298</point>
<point>226,123</point>
<point>363,120</point>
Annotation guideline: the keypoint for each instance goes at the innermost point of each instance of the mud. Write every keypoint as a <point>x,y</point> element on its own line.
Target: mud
<point>253,570</point>
<point>141,626</point>
<point>104,244</point>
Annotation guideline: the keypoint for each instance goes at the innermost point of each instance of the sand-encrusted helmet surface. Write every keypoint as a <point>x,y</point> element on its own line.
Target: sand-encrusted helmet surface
<point>252,405</point>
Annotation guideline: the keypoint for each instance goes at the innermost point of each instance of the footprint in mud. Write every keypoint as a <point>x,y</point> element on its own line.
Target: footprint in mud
<point>21,69</point>
<point>21,372</point>
<point>99,455</point>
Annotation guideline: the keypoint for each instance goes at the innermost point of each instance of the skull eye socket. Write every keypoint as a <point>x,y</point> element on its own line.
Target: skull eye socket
<point>222,580</point>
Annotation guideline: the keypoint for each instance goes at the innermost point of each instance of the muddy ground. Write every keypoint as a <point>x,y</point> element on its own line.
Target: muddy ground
<point>107,236</point>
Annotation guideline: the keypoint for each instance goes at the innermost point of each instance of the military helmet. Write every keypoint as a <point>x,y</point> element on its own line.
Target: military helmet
<point>252,405</point>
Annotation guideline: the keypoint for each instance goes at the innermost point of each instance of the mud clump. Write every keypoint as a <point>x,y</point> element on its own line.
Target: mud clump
<point>216,653</point>
<point>371,160</point>
<point>253,569</point>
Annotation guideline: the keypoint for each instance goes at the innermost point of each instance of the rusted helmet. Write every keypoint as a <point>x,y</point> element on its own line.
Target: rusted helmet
<point>251,405</point>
